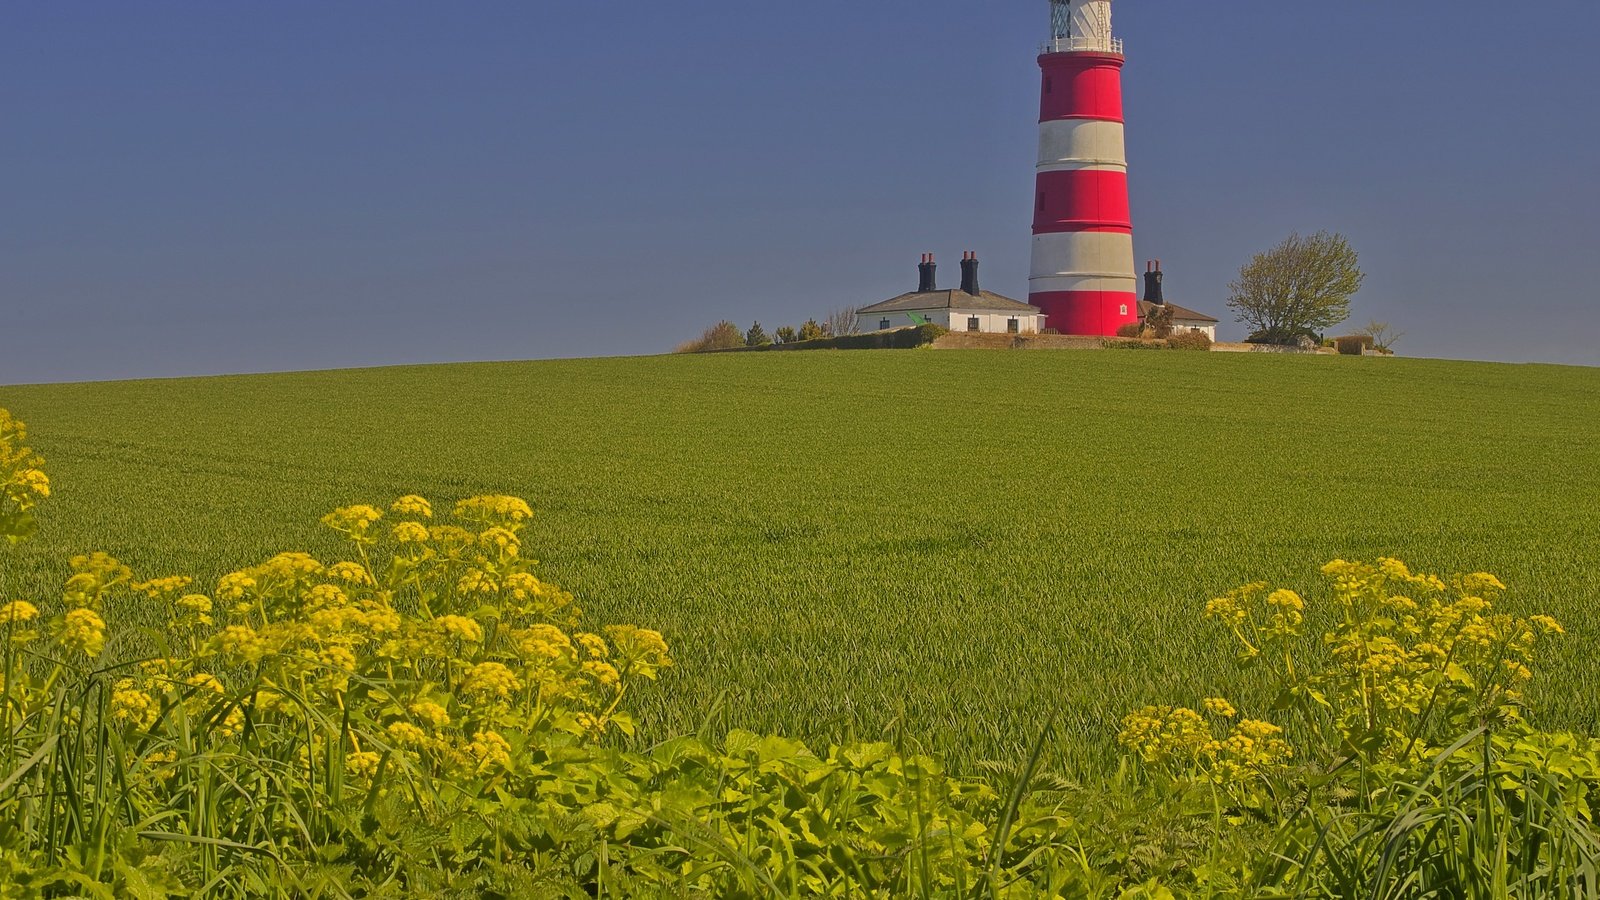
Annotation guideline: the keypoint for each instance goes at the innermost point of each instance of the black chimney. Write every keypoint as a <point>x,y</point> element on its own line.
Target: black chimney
<point>969,273</point>
<point>925,274</point>
<point>1152,283</point>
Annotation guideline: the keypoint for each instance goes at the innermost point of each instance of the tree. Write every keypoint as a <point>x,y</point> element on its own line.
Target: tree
<point>756,336</point>
<point>1158,323</point>
<point>843,320</point>
<point>786,334</point>
<point>1383,336</point>
<point>722,336</point>
<point>1302,286</point>
<point>812,331</point>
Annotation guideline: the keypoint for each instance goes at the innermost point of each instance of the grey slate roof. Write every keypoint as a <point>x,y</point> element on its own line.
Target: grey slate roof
<point>1179,313</point>
<point>983,302</point>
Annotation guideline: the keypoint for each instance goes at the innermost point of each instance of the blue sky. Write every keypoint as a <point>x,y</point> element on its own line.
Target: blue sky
<point>197,187</point>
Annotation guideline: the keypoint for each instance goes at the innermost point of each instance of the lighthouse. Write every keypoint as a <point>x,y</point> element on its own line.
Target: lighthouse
<point>1083,271</point>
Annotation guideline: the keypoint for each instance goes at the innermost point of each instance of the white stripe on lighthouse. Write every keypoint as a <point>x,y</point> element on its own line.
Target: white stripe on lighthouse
<point>1067,144</point>
<point>1083,261</point>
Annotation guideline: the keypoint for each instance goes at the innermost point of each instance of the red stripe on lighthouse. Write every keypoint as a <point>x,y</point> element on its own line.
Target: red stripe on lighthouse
<point>1082,200</point>
<point>1087,312</point>
<point>1081,86</point>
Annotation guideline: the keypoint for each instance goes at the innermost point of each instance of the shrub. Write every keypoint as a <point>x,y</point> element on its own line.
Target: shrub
<point>1353,345</point>
<point>722,336</point>
<point>786,334</point>
<point>1130,330</point>
<point>1190,340</point>
<point>812,331</point>
<point>756,336</point>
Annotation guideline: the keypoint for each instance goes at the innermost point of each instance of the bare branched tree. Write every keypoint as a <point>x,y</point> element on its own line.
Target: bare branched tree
<point>1302,286</point>
<point>1383,335</point>
<point>844,320</point>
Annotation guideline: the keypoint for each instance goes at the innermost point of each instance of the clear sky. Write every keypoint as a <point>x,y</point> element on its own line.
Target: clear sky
<point>207,187</point>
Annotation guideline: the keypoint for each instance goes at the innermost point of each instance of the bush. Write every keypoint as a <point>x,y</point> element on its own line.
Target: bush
<point>1189,340</point>
<point>756,336</point>
<point>1353,344</point>
<point>1130,330</point>
<point>722,336</point>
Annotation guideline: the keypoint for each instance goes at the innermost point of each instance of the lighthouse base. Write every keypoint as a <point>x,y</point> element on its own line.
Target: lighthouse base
<point>1087,312</point>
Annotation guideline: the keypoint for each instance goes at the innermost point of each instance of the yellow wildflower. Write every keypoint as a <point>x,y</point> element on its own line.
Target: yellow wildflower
<point>502,539</point>
<point>504,510</point>
<point>461,627</point>
<point>18,611</point>
<point>84,630</point>
<point>406,734</point>
<point>412,505</point>
<point>352,520</point>
<point>132,705</point>
<point>593,645</point>
<point>602,672</point>
<point>362,764</point>
<point>431,712</point>
<point>545,641</point>
<point>490,751</point>
<point>350,573</point>
<point>410,533</point>
<point>157,588</point>
<point>491,679</point>
<point>1217,706</point>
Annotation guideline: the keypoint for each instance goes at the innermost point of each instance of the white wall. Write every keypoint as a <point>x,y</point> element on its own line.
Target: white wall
<point>1209,331</point>
<point>956,320</point>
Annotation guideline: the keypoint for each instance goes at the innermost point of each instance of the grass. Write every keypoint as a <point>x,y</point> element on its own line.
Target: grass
<point>962,544</point>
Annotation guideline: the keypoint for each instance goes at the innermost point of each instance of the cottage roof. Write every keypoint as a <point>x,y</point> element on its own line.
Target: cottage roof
<point>984,301</point>
<point>1179,313</point>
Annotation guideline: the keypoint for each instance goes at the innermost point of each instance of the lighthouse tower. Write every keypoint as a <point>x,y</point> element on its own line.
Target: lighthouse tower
<point>1083,271</point>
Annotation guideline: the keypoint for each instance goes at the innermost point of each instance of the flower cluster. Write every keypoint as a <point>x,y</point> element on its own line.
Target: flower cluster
<point>1414,657</point>
<point>1189,744</point>
<point>23,483</point>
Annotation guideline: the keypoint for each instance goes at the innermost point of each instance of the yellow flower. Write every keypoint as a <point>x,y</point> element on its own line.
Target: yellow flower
<point>34,481</point>
<point>546,641</point>
<point>18,611</point>
<point>431,712</point>
<point>491,679</point>
<point>603,673</point>
<point>1220,707</point>
<point>243,643</point>
<point>475,582</point>
<point>461,627</point>
<point>84,630</point>
<point>234,585</point>
<point>490,751</point>
<point>500,509</point>
<point>131,705</point>
<point>157,588</point>
<point>412,505</point>
<point>1545,623</point>
<point>363,764</point>
<point>406,734</point>
<point>205,682</point>
<point>410,533</point>
<point>593,644</point>
<point>352,520</point>
<point>350,573</point>
<point>502,539</point>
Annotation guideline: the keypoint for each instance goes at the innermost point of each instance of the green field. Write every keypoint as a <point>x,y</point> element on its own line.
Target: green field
<point>967,542</point>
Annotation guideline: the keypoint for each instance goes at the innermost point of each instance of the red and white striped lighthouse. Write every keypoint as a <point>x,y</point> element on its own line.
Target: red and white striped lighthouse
<point>1083,271</point>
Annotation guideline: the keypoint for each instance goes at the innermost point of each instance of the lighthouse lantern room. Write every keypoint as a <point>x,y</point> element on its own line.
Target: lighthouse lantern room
<point>1083,271</point>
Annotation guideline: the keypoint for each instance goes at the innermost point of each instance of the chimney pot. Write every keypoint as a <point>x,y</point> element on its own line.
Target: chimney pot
<point>925,274</point>
<point>969,273</point>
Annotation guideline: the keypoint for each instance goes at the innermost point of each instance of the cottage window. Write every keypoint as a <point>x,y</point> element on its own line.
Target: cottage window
<point>883,325</point>
<point>1012,326</point>
<point>972,324</point>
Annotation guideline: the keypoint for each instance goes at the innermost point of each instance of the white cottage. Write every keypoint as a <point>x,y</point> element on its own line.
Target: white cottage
<point>1182,318</point>
<point>968,309</point>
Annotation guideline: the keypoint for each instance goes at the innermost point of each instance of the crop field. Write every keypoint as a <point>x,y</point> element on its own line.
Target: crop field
<point>952,546</point>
